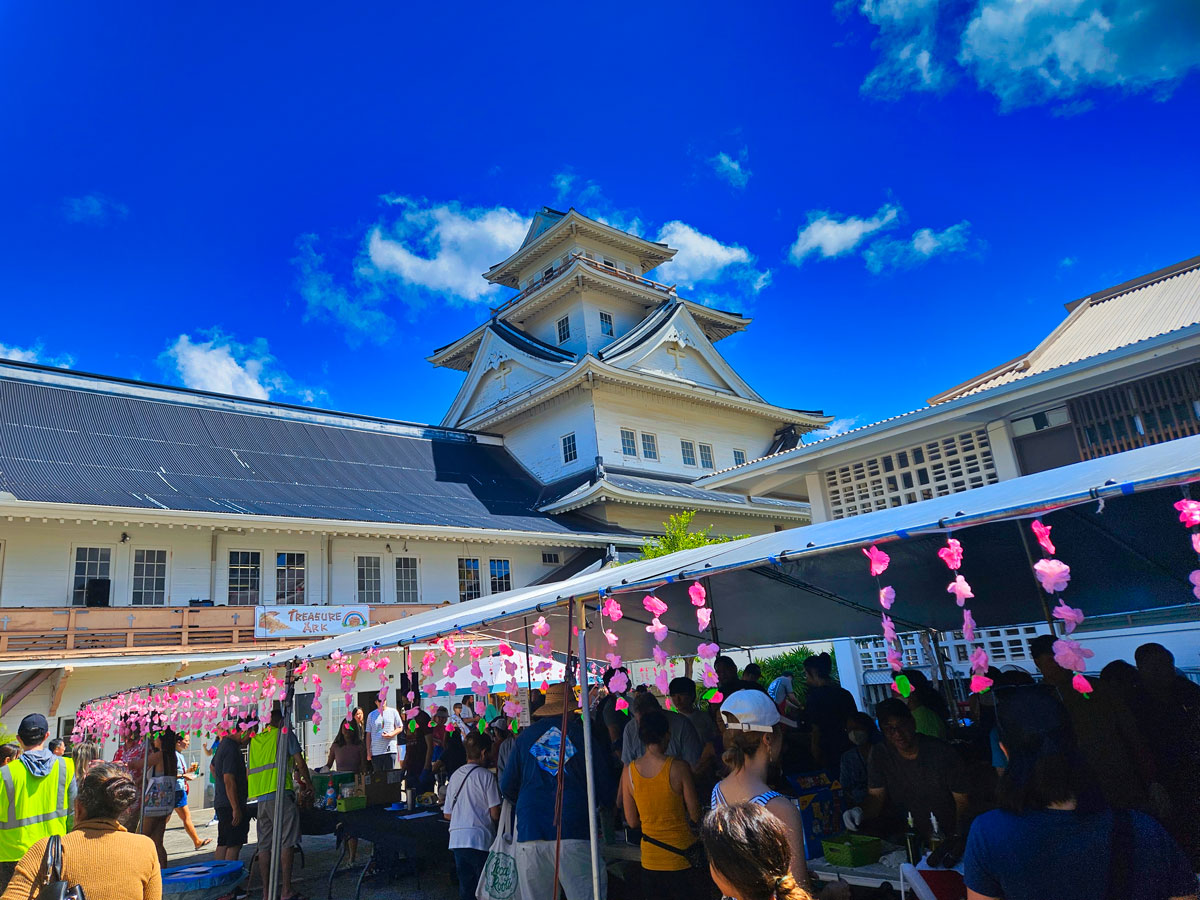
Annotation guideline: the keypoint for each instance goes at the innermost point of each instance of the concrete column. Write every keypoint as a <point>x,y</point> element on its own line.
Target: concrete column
<point>816,497</point>
<point>1003,452</point>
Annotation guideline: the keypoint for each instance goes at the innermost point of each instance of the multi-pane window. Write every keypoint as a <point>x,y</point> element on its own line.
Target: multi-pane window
<point>408,584</point>
<point>563,327</point>
<point>606,324</point>
<point>628,442</point>
<point>469,586</point>
<point>501,571</point>
<point>245,577</point>
<point>688,451</point>
<point>90,562</point>
<point>649,446</point>
<point>739,457</point>
<point>370,580</point>
<point>550,558</point>
<point>706,456</point>
<point>289,578</point>
<point>149,577</point>
<point>570,453</point>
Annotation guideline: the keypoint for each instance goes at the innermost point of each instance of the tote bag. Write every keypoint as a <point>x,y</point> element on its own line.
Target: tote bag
<point>160,795</point>
<point>499,878</point>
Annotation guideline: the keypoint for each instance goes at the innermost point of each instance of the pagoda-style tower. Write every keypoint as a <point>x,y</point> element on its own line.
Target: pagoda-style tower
<point>607,387</point>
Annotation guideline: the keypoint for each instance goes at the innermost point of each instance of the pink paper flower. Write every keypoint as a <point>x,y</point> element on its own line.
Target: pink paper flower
<point>696,593</point>
<point>960,589</point>
<point>621,705</point>
<point>612,609</point>
<point>1072,655</point>
<point>951,554</point>
<point>1052,574</point>
<point>450,687</point>
<point>889,629</point>
<point>653,605</point>
<point>660,655</point>
<point>1196,542</point>
<point>614,661</point>
<point>887,596</point>
<point>1194,578</point>
<point>476,652</point>
<point>510,667</point>
<point>610,637</point>
<point>708,651</point>
<point>505,649</point>
<point>512,708</point>
<point>1071,617</point>
<point>980,683</point>
<point>879,560</point>
<point>1042,532</point>
<point>448,645</point>
<point>717,697</point>
<point>476,668</point>
<point>662,682</point>
<point>1189,512</point>
<point>703,617</point>
<point>480,708</point>
<point>968,625</point>
<point>658,629</point>
<point>1081,684</point>
<point>479,687</point>
<point>541,628</point>
<point>709,677</point>
<point>512,686</point>
<point>979,660</point>
<point>619,683</point>
<point>449,669</point>
<point>894,659</point>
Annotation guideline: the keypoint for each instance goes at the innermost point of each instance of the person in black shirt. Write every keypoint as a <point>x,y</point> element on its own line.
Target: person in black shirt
<point>827,706</point>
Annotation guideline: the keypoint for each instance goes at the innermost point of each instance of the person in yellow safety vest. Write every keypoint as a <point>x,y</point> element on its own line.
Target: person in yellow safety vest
<point>263,779</point>
<point>37,795</point>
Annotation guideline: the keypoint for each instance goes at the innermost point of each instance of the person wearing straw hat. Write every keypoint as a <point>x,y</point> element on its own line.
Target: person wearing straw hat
<point>530,780</point>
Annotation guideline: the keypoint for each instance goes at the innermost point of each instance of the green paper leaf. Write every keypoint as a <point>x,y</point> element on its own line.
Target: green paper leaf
<point>709,694</point>
<point>412,725</point>
<point>482,725</point>
<point>903,686</point>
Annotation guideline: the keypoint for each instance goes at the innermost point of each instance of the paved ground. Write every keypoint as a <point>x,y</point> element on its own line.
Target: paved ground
<point>312,881</point>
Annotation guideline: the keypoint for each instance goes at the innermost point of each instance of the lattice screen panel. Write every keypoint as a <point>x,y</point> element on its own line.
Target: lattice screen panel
<point>934,469</point>
<point>1137,414</point>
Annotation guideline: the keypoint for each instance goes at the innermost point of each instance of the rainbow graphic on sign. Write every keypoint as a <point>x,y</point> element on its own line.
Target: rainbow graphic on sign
<point>354,620</point>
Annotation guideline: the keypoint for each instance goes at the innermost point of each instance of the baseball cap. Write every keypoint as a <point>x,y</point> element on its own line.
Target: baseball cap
<point>33,728</point>
<point>751,710</point>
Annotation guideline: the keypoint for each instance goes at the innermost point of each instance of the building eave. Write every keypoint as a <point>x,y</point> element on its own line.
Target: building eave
<point>605,492</point>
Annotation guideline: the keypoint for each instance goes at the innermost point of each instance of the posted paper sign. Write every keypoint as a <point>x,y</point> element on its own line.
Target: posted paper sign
<point>308,621</point>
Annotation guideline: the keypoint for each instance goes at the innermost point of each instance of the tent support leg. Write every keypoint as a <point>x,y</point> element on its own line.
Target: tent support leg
<point>585,706</point>
<point>281,763</point>
<point>943,677</point>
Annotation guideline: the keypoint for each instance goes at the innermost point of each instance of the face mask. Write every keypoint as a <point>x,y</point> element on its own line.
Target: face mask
<point>858,738</point>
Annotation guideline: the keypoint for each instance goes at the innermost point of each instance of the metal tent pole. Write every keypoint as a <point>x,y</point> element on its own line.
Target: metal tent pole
<point>593,835</point>
<point>281,762</point>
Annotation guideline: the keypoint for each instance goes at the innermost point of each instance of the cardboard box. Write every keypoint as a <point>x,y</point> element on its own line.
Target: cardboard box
<point>345,804</point>
<point>384,793</point>
<point>820,806</point>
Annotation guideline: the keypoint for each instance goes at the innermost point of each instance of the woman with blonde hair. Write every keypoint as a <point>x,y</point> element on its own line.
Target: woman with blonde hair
<point>750,854</point>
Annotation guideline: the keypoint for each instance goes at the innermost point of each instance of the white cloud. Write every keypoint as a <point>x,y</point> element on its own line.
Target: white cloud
<point>35,354</point>
<point>1066,262</point>
<point>1027,52</point>
<point>224,366</point>
<point>443,248</point>
<point>93,209</point>
<point>924,244</point>
<point>357,310</point>
<point>702,258</point>
<point>838,426</point>
<point>826,235</point>
<point>732,170</point>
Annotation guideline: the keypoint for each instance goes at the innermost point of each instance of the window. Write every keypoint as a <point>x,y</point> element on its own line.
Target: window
<point>245,577</point>
<point>468,579</point>
<point>563,326</point>
<point>570,454</point>
<point>588,255</point>
<point>688,449</point>
<point>628,442</point>
<point>501,571</point>
<point>289,577</point>
<point>549,273</point>
<point>408,584</point>
<point>549,559</point>
<point>649,446</point>
<point>629,269</point>
<point>739,457</point>
<point>370,580</point>
<point>149,577</point>
<point>606,324</point>
<point>90,562</point>
<point>706,456</point>
<point>610,263</point>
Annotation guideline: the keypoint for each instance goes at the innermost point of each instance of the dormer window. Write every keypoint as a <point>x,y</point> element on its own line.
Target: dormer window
<point>563,327</point>
<point>606,324</point>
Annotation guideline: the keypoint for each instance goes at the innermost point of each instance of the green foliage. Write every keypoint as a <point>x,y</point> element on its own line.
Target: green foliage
<point>677,535</point>
<point>792,661</point>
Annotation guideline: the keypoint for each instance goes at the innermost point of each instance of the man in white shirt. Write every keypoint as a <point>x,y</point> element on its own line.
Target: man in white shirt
<point>383,726</point>
<point>473,808</point>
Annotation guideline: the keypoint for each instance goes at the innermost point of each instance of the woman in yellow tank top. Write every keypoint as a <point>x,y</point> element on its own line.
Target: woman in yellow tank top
<point>659,797</point>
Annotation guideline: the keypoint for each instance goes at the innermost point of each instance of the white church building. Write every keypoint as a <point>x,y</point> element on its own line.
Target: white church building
<point>141,525</point>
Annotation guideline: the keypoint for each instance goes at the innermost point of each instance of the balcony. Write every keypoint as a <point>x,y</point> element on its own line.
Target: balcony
<point>553,274</point>
<point>30,633</point>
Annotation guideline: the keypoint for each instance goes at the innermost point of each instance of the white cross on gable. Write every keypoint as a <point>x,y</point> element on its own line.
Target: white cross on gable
<point>502,371</point>
<point>677,353</point>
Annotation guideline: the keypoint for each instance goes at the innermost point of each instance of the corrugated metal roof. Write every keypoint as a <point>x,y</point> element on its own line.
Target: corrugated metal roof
<point>102,448</point>
<point>1156,304</point>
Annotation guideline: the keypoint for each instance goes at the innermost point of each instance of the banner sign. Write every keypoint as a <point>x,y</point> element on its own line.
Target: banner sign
<point>308,621</point>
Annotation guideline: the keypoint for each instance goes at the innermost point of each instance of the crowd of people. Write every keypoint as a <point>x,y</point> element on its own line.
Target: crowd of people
<point>1045,793</point>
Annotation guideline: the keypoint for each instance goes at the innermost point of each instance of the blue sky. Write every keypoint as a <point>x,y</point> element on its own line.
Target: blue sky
<point>296,202</point>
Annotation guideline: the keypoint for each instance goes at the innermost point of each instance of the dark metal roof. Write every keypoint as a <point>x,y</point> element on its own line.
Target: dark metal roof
<point>527,343</point>
<point>637,481</point>
<point>62,444</point>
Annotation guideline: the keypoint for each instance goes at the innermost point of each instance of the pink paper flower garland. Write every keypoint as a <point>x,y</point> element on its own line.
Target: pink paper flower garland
<point>952,556</point>
<point>1054,575</point>
<point>1189,517</point>
<point>878,563</point>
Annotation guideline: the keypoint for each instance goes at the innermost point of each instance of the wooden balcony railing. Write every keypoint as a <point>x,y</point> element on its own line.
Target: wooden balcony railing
<point>75,632</point>
<point>553,274</point>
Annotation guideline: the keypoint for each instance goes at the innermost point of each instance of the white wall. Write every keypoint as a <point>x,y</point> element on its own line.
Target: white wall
<point>648,520</point>
<point>536,438</point>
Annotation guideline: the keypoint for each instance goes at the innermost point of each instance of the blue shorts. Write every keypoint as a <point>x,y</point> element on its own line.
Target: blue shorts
<point>180,798</point>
